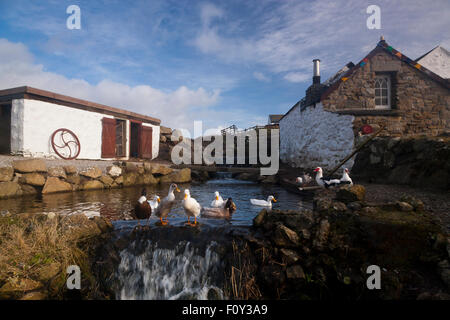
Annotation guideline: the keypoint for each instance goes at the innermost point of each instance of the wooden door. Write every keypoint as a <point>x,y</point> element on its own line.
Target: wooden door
<point>108,138</point>
<point>146,135</point>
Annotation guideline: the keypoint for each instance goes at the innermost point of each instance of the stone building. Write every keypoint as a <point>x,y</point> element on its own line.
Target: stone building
<point>385,88</point>
<point>31,119</point>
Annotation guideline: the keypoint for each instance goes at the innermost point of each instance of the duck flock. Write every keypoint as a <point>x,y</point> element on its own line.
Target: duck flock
<point>219,208</point>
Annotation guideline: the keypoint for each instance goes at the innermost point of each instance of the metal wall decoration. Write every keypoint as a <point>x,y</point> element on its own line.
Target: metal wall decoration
<point>65,144</point>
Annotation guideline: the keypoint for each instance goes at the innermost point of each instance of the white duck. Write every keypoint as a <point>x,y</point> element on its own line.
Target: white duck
<point>155,202</point>
<point>346,177</point>
<point>325,182</point>
<point>218,201</point>
<point>191,207</point>
<point>263,203</point>
<point>166,204</point>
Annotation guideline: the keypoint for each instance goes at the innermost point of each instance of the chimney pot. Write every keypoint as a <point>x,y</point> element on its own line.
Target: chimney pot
<point>316,71</point>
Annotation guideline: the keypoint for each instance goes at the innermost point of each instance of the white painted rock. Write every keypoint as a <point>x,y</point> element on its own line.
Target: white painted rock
<point>114,171</point>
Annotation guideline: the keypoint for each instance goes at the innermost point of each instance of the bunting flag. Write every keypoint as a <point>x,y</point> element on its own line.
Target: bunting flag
<point>418,66</point>
<point>344,79</point>
<point>398,54</point>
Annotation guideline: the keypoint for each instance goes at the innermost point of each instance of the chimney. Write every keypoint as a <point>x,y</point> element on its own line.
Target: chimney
<point>316,71</point>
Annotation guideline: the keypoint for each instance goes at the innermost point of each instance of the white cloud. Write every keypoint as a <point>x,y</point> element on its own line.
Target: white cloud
<point>175,108</point>
<point>260,76</point>
<point>290,34</point>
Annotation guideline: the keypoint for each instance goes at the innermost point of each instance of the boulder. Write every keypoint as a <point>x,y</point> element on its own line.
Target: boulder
<point>74,179</point>
<point>107,180</point>
<point>177,176</point>
<point>114,171</point>
<point>92,173</point>
<point>33,179</point>
<point>28,190</point>
<point>273,179</point>
<point>54,184</point>
<point>35,295</point>
<point>417,204</point>
<point>148,178</point>
<point>353,193</point>
<point>295,273</point>
<point>10,189</point>
<point>258,221</point>
<point>130,167</point>
<point>162,139</point>
<point>15,288</point>
<point>92,185</point>
<point>119,180</point>
<point>6,174</point>
<point>159,169</point>
<point>70,169</point>
<point>289,256</point>
<point>57,172</point>
<point>404,206</point>
<point>129,179</point>
<point>322,234</point>
<point>30,165</point>
<point>285,237</point>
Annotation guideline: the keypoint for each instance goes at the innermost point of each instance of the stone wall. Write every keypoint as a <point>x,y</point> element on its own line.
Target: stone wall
<point>419,104</point>
<point>420,162</point>
<point>314,137</point>
<point>30,177</point>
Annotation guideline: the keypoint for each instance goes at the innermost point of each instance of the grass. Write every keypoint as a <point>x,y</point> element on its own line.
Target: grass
<point>27,245</point>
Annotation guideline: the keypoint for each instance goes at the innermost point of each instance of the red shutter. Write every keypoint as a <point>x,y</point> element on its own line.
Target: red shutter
<point>146,142</point>
<point>109,138</point>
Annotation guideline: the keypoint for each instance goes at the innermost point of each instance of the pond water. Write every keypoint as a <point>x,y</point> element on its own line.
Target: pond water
<point>117,204</point>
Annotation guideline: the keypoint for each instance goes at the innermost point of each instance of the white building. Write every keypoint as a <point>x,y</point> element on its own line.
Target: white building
<point>29,118</point>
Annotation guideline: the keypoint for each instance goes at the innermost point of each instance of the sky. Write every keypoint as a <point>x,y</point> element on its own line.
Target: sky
<point>221,62</point>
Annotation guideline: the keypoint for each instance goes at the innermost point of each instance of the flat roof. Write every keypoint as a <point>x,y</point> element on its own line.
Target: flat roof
<point>48,96</point>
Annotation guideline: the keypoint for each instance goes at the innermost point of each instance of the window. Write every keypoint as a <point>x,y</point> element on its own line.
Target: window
<point>383,92</point>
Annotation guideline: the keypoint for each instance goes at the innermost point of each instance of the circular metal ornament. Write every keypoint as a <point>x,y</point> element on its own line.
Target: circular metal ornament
<point>65,144</point>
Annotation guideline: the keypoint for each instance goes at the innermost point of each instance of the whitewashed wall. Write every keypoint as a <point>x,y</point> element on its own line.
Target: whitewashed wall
<point>315,137</point>
<point>33,123</point>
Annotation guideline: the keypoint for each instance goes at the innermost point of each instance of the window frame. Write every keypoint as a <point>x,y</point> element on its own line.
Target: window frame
<point>388,77</point>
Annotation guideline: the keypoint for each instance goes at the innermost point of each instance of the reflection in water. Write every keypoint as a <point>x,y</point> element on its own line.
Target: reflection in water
<point>117,204</point>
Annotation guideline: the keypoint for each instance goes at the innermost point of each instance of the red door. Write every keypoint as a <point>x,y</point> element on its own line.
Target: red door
<point>146,142</point>
<point>109,138</point>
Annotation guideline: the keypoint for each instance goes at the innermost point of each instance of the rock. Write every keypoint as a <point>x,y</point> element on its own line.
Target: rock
<point>322,204</point>
<point>354,206</point>
<point>33,179</point>
<point>14,288</point>
<point>6,174</point>
<point>444,270</point>
<point>31,165</point>
<point>57,172</point>
<point>114,171</point>
<point>70,169</point>
<point>150,179</point>
<point>177,176</point>
<point>417,204</point>
<point>129,179</point>
<point>54,184</point>
<point>160,169</point>
<point>36,295</point>
<point>337,207</point>
<point>130,167</point>
<point>74,179</point>
<point>374,159</point>
<point>285,237</point>
<point>119,180</point>
<point>92,185</point>
<point>107,180</point>
<point>369,210</point>
<point>322,234</point>
<point>10,189</point>
<point>165,131</point>
<point>270,179</point>
<point>295,273</point>
<point>140,170</point>
<point>28,190</point>
<point>404,206</point>
<point>92,173</point>
<point>258,221</point>
<point>289,256</point>
<point>51,215</point>
<point>162,139</point>
<point>353,193</point>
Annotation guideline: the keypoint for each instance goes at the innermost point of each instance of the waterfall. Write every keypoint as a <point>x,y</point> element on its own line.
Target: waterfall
<point>183,272</point>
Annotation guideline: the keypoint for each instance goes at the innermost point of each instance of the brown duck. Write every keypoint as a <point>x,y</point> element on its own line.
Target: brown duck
<point>142,209</point>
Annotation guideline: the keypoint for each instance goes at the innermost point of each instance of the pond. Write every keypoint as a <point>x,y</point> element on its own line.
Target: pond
<point>117,204</point>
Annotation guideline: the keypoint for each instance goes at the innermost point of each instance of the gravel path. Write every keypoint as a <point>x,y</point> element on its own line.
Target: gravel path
<point>436,201</point>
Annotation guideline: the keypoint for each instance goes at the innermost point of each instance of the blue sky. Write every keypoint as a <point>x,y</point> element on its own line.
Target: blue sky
<point>223,62</point>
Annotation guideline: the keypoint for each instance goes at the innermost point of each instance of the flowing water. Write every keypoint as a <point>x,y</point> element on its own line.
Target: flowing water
<point>166,266</point>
